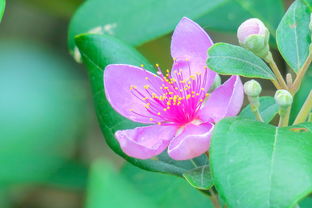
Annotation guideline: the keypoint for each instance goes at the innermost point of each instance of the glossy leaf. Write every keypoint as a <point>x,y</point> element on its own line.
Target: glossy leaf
<point>268,110</point>
<point>229,59</point>
<point>254,163</point>
<point>127,19</point>
<point>97,52</point>
<point>107,188</point>
<point>199,178</point>
<point>2,6</point>
<point>166,191</point>
<point>135,22</point>
<point>293,35</point>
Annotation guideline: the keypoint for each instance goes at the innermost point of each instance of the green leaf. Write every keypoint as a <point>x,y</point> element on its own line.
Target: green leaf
<point>108,189</point>
<point>228,16</point>
<point>268,110</point>
<point>2,6</point>
<point>199,178</point>
<point>293,35</point>
<point>97,52</point>
<point>165,190</point>
<point>158,17</point>
<point>135,22</point>
<point>229,59</point>
<point>260,165</point>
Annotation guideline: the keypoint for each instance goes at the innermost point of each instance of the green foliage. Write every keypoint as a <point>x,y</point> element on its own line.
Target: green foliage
<point>134,187</point>
<point>108,189</point>
<point>229,15</point>
<point>135,22</point>
<point>199,178</point>
<point>165,190</point>
<point>229,59</point>
<point>127,19</point>
<point>2,6</point>
<point>268,110</point>
<point>259,165</point>
<point>293,35</point>
<point>97,52</point>
<point>41,113</point>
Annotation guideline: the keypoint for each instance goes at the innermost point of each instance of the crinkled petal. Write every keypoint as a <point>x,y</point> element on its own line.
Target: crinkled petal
<point>224,101</point>
<point>145,142</point>
<point>192,142</point>
<point>117,81</point>
<point>189,46</point>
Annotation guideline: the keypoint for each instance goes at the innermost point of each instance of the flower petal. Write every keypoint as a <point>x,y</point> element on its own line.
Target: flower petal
<point>224,101</point>
<point>145,142</point>
<point>117,81</point>
<point>189,46</point>
<point>192,142</point>
<point>190,41</point>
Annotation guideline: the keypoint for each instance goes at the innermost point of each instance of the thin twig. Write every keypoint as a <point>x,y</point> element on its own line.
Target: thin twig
<point>284,117</point>
<point>276,71</point>
<point>305,110</point>
<point>214,199</point>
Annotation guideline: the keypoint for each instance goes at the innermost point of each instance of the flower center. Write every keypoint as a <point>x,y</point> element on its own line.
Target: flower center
<point>177,99</point>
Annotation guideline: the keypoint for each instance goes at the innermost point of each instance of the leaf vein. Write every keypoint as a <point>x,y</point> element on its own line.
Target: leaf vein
<point>244,61</point>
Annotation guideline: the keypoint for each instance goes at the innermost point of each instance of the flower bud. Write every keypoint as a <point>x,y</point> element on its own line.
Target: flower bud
<point>254,36</point>
<point>283,98</point>
<point>252,88</point>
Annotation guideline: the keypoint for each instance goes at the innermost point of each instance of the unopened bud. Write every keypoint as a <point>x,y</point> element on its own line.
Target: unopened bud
<point>254,36</point>
<point>216,83</point>
<point>252,88</point>
<point>283,98</point>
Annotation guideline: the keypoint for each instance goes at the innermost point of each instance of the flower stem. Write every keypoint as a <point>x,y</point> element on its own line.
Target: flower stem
<point>284,116</point>
<point>305,110</point>
<point>297,83</point>
<point>310,117</point>
<point>254,105</point>
<point>280,80</point>
<point>214,199</point>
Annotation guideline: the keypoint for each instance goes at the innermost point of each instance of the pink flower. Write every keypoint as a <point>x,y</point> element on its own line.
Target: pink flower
<point>177,104</point>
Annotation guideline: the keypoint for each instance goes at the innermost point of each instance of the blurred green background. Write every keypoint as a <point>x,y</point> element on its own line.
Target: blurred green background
<point>52,153</point>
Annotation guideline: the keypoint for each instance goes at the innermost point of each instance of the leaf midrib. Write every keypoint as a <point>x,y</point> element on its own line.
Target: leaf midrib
<point>296,36</point>
<point>271,165</point>
<point>244,61</point>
